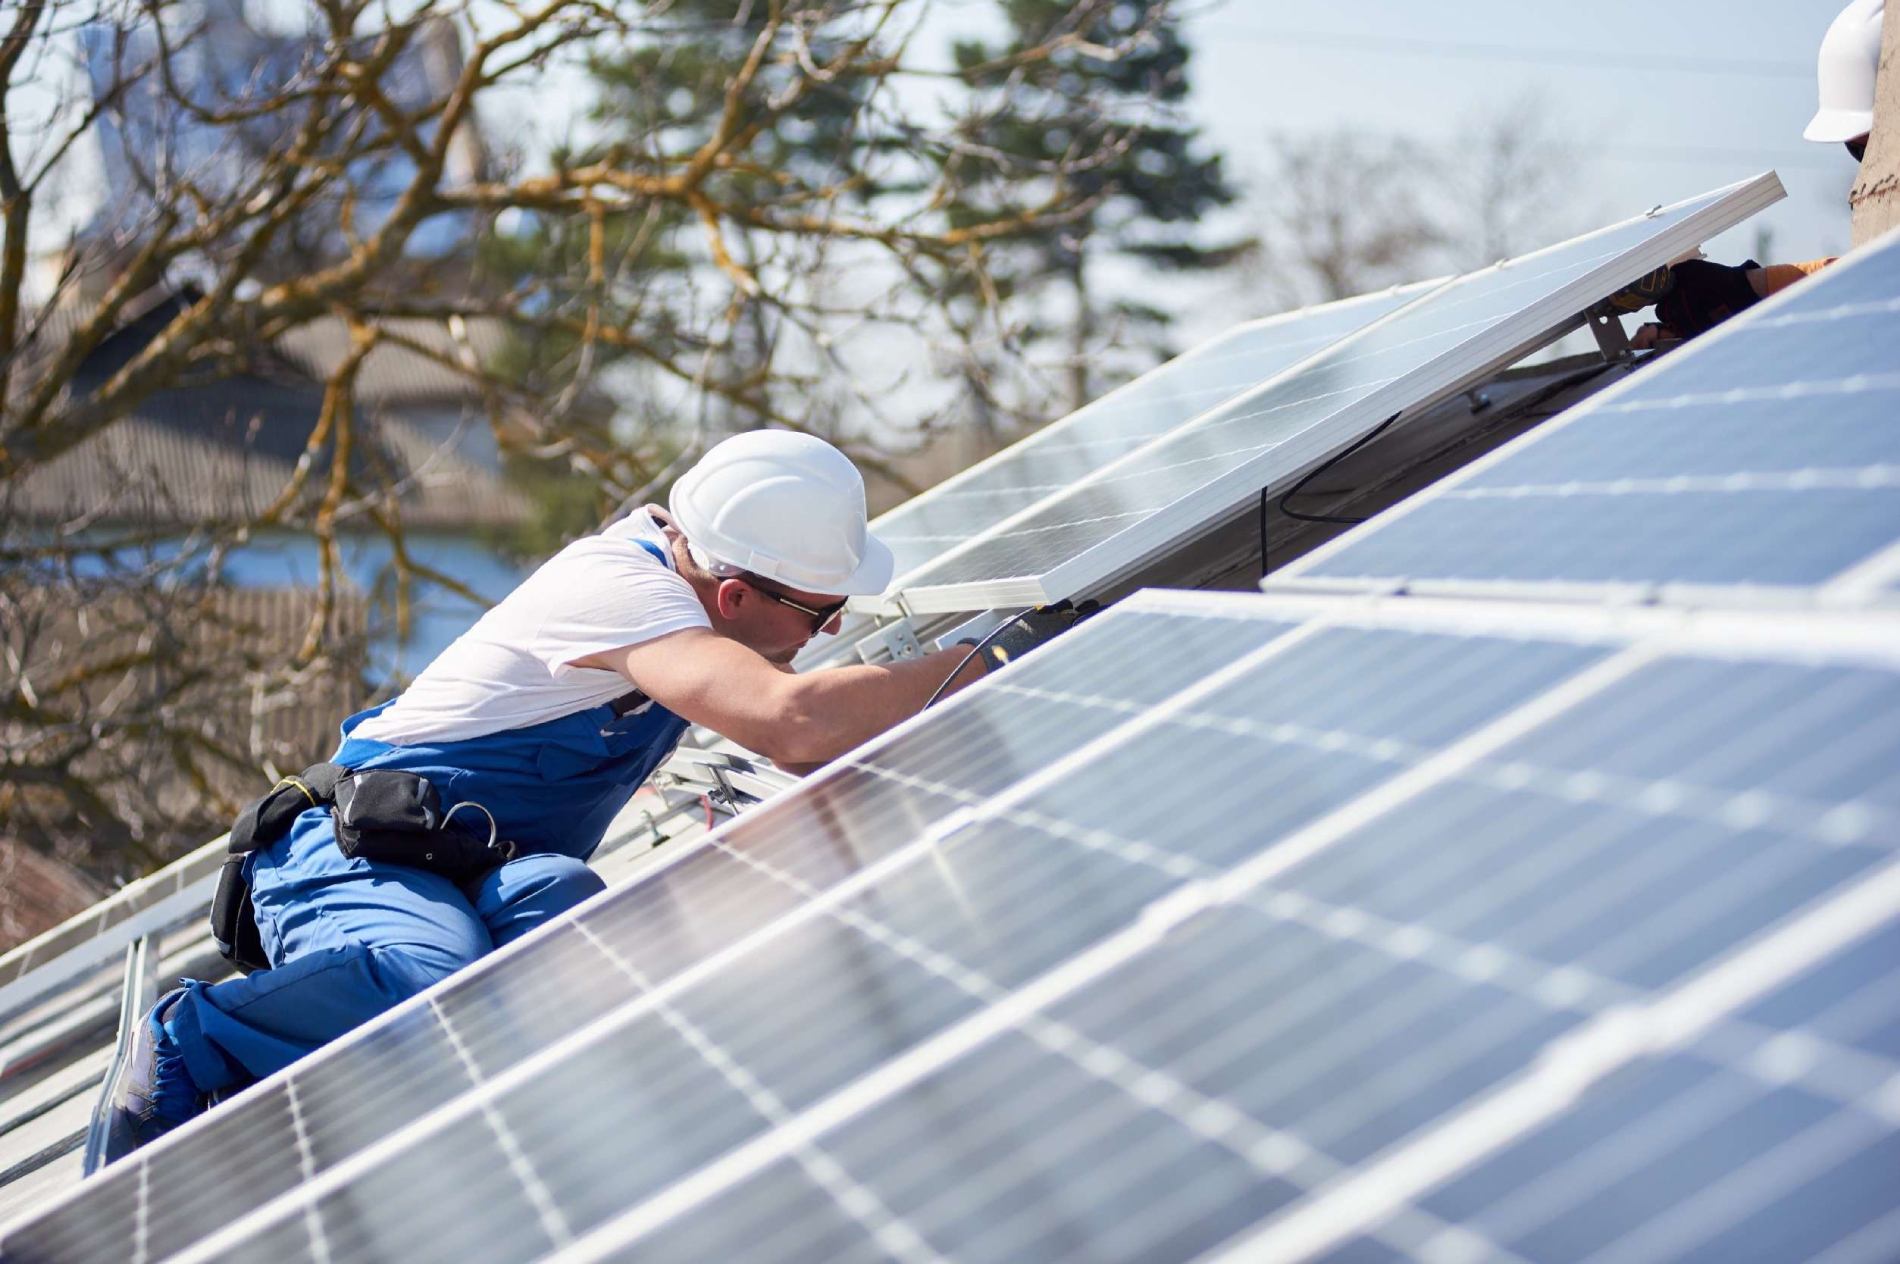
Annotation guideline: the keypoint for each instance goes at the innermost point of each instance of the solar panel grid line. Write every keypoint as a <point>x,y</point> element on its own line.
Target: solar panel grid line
<point>1812,478</point>
<point>1868,637</point>
<point>1869,580</point>
<point>904,1070</point>
<point>892,1077</point>
<point>553,1223</point>
<point>1723,1204</point>
<point>1671,1021</point>
<point>1258,605</point>
<point>1326,832</point>
<point>1764,314</point>
<point>300,1134</point>
<point>1565,986</point>
<point>1499,344</point>
<point>141,1162</point>
<point>864,1207</point>
<point>1138,726</point>
<point>1702,1109</point>
<point>236,1231</point>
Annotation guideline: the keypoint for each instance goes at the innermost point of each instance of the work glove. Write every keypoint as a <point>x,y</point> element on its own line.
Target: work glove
<point>1645,291</point>
<point>1705,294</point>
<point>1690,297</point>
<point>1031,628</point>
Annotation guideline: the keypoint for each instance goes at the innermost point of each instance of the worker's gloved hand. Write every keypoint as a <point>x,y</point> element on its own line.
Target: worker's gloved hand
<point>1030,629</point>
<point>1646,291</point>
<point>1690,298</point>
<point>1704,295</point>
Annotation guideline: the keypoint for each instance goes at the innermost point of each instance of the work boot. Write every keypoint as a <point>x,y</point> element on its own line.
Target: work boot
<point>153,1093</point>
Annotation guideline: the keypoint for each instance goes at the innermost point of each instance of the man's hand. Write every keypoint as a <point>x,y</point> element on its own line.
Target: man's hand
<point>1031,628</point>
<point>1690,298</point>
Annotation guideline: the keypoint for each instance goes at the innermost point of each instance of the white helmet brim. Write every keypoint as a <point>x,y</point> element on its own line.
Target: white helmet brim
<point>1833,126</point>
<point>874,571</point>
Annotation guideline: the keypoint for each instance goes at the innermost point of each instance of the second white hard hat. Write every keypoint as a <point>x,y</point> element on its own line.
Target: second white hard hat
<point>1850,57</point>
<point>784,505</point>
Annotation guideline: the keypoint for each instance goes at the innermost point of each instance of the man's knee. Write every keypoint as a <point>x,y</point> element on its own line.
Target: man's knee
<point>527,892</point>
<point>399,971</point>
<point>551,882</point>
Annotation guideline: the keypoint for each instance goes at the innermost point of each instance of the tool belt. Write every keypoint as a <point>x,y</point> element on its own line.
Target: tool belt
<point>381,814</point>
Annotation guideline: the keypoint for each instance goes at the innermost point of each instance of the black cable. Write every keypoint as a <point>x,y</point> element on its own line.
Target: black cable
<point>1328,464</point>
<point>976,649</point>
<point>1521,406</point>
<point>1263,533</point>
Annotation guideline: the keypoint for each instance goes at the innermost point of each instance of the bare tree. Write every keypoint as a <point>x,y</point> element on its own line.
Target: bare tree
<point>1513,180</point>
<point>1342,216</point>
<point>1346,212</point>
<point>267,193</point>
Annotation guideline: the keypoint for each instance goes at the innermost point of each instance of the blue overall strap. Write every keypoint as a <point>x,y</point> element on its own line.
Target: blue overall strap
<point>654,549</point>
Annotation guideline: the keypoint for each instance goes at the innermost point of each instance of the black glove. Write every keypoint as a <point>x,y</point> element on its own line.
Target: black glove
<point>1031,628</point>
<point>1704,295</point>
<point>1690,298</point>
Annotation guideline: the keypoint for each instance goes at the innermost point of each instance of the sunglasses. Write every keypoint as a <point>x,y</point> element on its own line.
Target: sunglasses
<point>1858,148</point>
<point>819,615</point>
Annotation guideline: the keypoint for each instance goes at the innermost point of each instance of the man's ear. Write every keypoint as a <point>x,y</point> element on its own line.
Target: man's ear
<point>730,597</point>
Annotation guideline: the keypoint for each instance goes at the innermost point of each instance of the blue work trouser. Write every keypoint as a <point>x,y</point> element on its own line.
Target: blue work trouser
<point>348,939</point>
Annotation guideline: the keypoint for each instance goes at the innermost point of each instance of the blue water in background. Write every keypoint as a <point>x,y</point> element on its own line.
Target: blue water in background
<point>438,616</point>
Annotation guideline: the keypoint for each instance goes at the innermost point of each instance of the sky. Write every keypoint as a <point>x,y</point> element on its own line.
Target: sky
<point>1665,98</point>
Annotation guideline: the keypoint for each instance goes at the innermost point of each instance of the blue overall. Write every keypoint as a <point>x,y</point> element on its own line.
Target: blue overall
<point>348,939</point>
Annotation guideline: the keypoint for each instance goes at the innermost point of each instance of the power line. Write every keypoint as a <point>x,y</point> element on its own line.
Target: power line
<point>1473,50</point>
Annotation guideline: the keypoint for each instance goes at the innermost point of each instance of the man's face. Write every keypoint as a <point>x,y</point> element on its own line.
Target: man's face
<point>772,619</point>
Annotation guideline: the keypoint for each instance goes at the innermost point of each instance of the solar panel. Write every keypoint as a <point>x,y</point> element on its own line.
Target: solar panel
<point>1763,456</point>
<point>1161,495</point>
<point>1459,929</point>
<point>99,936</point>
<point>1055,457</point>
<point>686,914</point>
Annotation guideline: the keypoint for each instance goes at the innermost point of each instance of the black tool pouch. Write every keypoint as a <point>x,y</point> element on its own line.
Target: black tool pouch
<point>396,817</point>
<point>234,921</point>
<point>261,823</point>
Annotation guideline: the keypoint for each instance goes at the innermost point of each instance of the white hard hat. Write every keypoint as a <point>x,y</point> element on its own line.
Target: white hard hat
<point>1850,56</point>
<point>784,505</point>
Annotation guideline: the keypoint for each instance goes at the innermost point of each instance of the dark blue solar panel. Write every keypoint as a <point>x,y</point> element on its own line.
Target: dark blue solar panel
<point>1218,458</point>
<point>1768,455</point>
<point>1184,995</point>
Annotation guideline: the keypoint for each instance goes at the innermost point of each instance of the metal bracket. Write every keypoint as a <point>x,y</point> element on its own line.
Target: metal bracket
<point>893,640</point>
<point>1611,338</point>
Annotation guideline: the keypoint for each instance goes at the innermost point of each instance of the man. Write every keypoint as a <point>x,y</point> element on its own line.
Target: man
<point>1695,296</point>
<point>534,728</point>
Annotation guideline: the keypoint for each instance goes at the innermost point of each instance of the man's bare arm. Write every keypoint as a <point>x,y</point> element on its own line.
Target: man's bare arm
<point>791,719</point>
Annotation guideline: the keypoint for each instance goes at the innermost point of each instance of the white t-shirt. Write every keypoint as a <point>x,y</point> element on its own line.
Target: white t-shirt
<point>512,669</point>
